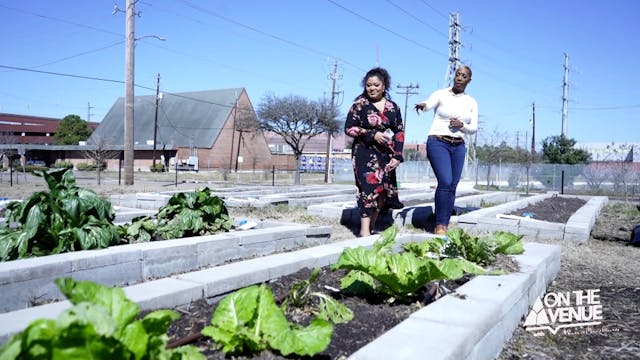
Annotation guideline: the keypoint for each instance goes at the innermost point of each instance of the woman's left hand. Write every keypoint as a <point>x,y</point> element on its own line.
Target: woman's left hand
<point>455,123</point>
<point>392,165</point>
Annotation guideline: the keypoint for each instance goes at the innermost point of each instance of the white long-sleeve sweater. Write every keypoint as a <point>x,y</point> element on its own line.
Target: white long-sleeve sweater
<point>446,106</point>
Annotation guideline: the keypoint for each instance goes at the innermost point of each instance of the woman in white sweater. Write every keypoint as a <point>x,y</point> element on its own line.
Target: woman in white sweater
<point>455,115</point>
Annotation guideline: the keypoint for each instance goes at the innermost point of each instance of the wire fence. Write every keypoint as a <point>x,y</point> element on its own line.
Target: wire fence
<point>615,179</point>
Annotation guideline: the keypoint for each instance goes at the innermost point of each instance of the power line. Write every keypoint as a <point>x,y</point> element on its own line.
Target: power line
<point>275,37</point>
<point>108,80</point>
<point>386,29</point>
<point>78,55</point>
<point>444,16</point>
<point>408,13</point>
<point>63,21</point>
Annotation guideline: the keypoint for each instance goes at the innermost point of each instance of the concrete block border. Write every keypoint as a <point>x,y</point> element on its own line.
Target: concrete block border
<point>475,328</point>
<point>28,281</point>
<point>577,228</point>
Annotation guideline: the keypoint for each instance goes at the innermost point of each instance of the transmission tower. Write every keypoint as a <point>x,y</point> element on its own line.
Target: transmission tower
<point>454,48</point>
<point>565,95</point>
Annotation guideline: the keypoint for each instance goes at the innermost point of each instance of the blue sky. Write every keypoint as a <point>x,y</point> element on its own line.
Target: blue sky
<point>56,52</point>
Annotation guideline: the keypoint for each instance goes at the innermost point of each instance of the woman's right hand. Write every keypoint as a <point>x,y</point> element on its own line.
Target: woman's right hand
<point>379,137</point>
<point>419,106</point>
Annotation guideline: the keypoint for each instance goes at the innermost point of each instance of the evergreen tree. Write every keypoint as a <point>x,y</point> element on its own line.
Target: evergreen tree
<point>72,130</point>
<point>560,150</point>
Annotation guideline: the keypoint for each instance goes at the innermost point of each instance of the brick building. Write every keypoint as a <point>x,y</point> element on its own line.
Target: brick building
<point>204,129</point>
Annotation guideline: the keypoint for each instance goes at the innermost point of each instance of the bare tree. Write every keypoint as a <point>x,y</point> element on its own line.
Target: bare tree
<point>246,124</point>
<point>492,151</point>
<point>621,174</point>
<point>297,120</point>
<point>98,151</point>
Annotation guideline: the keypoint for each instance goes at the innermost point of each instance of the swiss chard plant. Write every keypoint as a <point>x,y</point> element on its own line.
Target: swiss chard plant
<point>249,321</point>
<point>102,324</point>
<point>301,297</point>
<point>399,275</point>
<point>65,218</point>
<point>459,244</point>
<point>186,214</point>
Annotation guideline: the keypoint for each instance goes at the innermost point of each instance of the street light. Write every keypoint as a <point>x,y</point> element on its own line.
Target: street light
<point>129,93</point>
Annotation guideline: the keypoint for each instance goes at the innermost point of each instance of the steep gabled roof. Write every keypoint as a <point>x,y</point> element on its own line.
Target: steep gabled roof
<point>184,119</point>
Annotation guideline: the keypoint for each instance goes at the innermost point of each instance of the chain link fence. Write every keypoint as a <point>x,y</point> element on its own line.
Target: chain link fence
<point>615,179</point>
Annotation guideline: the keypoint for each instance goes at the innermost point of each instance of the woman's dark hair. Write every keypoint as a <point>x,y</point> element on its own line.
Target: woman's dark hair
<point>381,74</point>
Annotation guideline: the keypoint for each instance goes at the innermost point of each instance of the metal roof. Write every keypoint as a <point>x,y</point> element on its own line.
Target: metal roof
<point>190,119</point>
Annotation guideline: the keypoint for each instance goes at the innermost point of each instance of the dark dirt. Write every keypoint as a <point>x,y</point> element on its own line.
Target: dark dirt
<point>606,263</point>
<point>372,317</point>
<point>556,209</point>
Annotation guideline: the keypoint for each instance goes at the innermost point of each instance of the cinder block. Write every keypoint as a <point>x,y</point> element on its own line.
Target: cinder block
<point>16,321</point>
<point>164,293</point>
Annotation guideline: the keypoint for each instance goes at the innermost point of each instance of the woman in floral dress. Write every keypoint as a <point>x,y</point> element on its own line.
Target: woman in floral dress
<point>375,124</point>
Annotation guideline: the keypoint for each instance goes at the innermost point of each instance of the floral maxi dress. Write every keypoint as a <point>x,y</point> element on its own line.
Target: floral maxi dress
<point>377,188</point>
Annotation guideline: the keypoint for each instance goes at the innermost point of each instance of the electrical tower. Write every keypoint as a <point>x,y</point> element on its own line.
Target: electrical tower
<point>333,76</point>
<point>565,95</point>
<point>454,48</point>
<point>89,107</point>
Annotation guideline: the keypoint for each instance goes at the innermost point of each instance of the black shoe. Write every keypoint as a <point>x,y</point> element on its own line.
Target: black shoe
<point>396,205</point>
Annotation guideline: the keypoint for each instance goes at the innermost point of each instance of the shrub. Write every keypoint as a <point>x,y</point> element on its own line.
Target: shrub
<point>62,165</point>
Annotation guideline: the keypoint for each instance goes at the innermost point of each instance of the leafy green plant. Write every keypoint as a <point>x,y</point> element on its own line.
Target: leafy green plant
<point>101,324</point>
<point>398,275</point>
<point>193,213</point>
<point>459,244</point>
<point>301,297</point>
<point>186,214</point>
<point>249,321</point>
<point>66,218</point>
<point>141,229</point>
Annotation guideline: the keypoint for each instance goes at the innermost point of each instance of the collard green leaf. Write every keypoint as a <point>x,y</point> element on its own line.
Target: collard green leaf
<point>303,341</point>
<point>233,323</point>
<point>249,320</point>
<point>358,282</point>
<point>508,243</point>
<point>332,310</point>
<point>100,325</point>
<point>113,300</point>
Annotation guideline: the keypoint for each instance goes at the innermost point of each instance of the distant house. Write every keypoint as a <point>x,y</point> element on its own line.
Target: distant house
<point>201,130</point>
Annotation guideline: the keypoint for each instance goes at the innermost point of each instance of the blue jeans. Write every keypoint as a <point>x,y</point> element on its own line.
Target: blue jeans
<point>447,162</point>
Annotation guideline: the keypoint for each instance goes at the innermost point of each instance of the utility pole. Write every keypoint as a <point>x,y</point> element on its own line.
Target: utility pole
<point>454,48</point>
<point>533,130</point>
<point>333,76</point>
<point>408,91</point>
<point>565,95</point>
<point>129,94</point>
<point>155,123</point>
<point>233,133</point>
<point>238,151</point>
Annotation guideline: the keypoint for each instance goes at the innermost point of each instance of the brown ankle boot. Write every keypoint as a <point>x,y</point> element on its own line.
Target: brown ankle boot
<point>441,230</point>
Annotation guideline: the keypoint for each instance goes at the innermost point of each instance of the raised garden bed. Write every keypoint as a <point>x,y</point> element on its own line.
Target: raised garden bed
<point>27,282</point>
<point>483,313</point>
<point>500,217</point>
